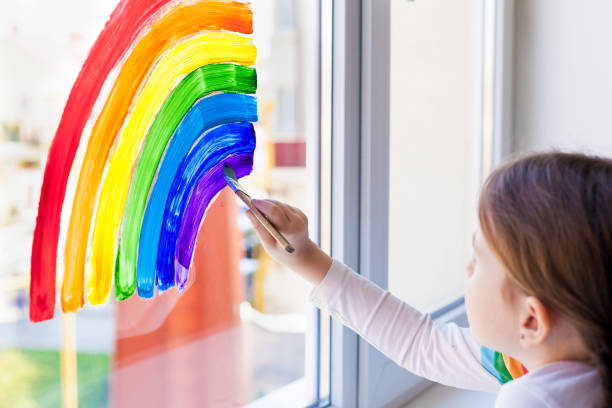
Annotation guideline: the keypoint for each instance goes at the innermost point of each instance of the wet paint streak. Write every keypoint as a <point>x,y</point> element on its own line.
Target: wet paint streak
<point>205,114</point>
<point>123,27</point>
<point>202,49</point>
<point>201,82</point>
<point>214,147</point>
<point>179,22</point>
<point>203,194</point>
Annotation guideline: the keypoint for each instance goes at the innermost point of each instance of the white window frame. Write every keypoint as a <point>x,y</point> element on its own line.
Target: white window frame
<point>361,376</point>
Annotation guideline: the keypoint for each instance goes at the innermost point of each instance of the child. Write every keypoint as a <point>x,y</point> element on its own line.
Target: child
<point>539,289</point>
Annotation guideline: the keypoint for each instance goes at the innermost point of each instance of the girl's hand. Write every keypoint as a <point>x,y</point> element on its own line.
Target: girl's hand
<point>308,260</point>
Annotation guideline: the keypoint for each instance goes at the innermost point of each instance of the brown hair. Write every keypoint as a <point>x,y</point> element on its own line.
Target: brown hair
<point>548,217</point>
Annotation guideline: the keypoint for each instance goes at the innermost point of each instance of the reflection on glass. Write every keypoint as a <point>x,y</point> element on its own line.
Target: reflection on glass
<point>237,336</point>
<point>434,162</point>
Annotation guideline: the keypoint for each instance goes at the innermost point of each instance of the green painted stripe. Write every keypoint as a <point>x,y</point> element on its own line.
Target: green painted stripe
<point>220,77</point>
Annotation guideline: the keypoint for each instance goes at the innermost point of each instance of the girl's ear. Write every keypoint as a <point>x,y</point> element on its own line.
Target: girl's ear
<point>535,321</point>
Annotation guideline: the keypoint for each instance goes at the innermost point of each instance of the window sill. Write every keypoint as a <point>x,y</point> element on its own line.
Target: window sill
<point>439,396</point>
<point>290,395</point>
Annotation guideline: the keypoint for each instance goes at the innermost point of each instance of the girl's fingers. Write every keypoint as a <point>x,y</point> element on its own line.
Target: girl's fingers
<point>284,208</point>
<point>297,212</point>
<point>290,211</point>
<point>260,230</point>
<point>274,212</point>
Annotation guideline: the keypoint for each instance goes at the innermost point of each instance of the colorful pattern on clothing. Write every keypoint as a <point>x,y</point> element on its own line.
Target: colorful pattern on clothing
<point>501,366</point>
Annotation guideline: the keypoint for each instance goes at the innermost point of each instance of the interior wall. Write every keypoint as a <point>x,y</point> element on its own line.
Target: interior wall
<point>563,75</point>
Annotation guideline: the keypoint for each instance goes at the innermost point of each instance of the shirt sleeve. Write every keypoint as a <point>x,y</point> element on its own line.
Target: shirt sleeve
<point>444,353</point>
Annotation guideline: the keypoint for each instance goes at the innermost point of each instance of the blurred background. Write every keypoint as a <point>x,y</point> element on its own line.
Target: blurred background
<point>238,332</point>
<point>471,83</point>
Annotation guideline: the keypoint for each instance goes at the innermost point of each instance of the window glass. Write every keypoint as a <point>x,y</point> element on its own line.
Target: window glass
<point>286,13</point>
<point>434,159</point>
<point>238,335</point>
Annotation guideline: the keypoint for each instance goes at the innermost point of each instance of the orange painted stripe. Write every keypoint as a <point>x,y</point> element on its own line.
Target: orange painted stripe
<point>181,21</point>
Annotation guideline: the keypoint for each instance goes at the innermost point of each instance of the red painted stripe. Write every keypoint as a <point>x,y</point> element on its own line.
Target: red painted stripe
<point>124,25</point>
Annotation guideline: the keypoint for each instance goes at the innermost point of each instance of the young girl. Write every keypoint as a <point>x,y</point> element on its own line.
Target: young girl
<point>539,289</point>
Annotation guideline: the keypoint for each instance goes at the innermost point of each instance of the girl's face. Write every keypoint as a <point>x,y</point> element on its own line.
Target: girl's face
<point>489,299</point>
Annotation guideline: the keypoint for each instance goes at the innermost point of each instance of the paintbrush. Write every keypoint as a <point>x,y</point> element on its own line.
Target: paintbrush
<point>232,180</point>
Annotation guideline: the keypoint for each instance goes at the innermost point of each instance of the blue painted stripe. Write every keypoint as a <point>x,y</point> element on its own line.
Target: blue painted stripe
<point>205,114</point>
<point>214,147</point>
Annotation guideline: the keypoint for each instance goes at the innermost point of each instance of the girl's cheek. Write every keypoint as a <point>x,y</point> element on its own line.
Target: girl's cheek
<point>469,304</point>
<point>469,310</point>
<point>473,307</point>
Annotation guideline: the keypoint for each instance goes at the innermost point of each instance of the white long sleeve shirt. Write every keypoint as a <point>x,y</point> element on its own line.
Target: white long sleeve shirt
<point>445,353</point>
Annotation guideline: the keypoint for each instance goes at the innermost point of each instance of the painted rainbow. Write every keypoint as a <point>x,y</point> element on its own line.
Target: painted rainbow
<point>182,105</point>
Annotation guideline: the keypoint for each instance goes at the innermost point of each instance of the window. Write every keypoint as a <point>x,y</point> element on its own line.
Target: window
<point>286,110</point>
<point>286,14</point>
<point>243,332</point>
<point>434,162</point>
<point>354,111</point>
<point>420,160</point>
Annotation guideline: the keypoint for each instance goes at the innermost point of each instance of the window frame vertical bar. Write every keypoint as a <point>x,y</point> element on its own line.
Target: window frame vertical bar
<point>345,236</point>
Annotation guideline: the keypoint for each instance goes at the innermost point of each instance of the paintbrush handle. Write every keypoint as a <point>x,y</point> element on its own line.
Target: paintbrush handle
<point>264,221</point>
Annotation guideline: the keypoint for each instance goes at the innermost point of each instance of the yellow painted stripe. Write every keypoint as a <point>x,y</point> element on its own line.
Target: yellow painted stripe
<point>200,50</point>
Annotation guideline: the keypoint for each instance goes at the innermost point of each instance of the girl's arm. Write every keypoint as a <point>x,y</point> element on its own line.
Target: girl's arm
<point>444,353</point>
